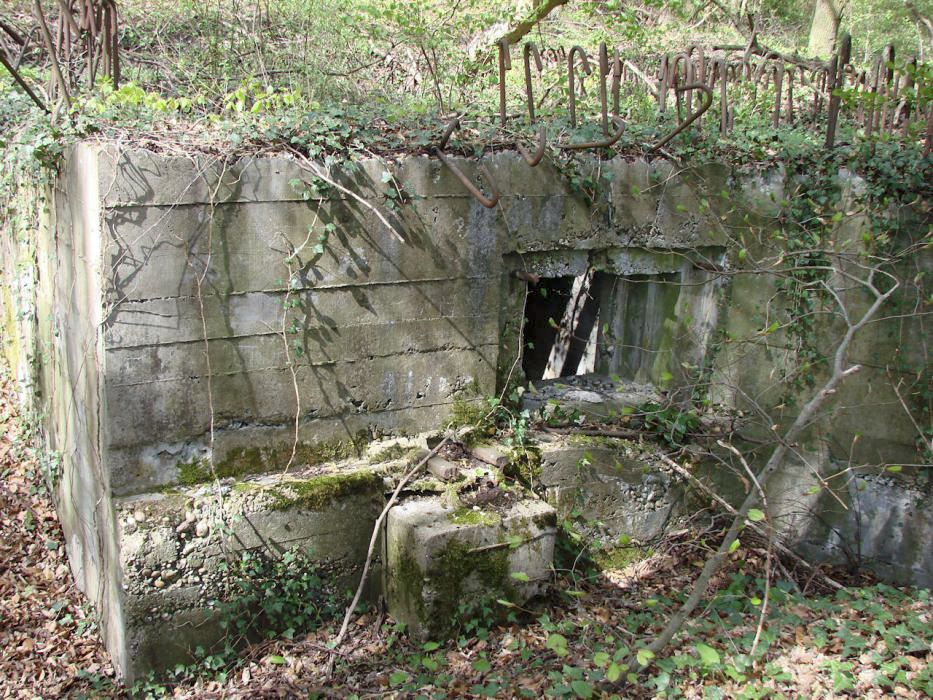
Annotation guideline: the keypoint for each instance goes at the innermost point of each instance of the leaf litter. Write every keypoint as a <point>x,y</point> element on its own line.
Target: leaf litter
<point>867,640</point>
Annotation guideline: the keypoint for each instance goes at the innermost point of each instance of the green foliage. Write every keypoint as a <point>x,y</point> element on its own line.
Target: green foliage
<point>672,423</point>
<point>277,596</point>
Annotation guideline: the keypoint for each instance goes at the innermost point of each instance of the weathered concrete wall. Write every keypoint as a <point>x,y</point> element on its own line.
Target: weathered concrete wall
<point>179,302</point>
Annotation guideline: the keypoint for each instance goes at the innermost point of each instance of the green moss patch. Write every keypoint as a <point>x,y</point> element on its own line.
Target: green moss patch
<point>468,516</point>
<point>612,443</point>
<point>463,580</point>
<point>319,491</point>
<point>196,471</point>
<point>246,461</point>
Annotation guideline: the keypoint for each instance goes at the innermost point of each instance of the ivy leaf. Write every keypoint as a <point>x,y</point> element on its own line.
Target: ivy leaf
<point>398,677</point>
<point>708,655</point>
<point>557,643</point>
<point>430,646</point>
<point>644,656</point>
<point>734,546</point>
<point>613,672</point>
<point>482,665</point>
<point>582,689</point>
<point>755,515</point>
<point>600,659</point>
<point>277,660</point>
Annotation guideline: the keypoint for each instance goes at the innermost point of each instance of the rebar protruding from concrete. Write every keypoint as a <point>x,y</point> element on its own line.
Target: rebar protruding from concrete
<point>837,77</point>
<point>505,64</point>
<point>570,82</point>
<point>620,129</point>
<point>603,77</point>
<point>533,160</point>
<point>529,50</point>
<point>488,202</point>
<point>693,117</point>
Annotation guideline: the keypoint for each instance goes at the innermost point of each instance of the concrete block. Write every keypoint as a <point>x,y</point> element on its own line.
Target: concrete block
<point>176,550</point>
<point>440,561</point>
<point>616,486</point>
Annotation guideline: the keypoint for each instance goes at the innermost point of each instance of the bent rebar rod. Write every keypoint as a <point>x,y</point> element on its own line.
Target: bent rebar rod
<point>505,63</point>
<point>533,160</point>
<point>620,129</point>
<point>692,118</point>
<point>603,76</point>
<point>488,202</point>
<point>529,50</point>
<point>586,69</point>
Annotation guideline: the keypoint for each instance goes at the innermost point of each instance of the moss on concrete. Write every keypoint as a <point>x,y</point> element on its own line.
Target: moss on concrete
<point>392,453</point>
<point>456,585</point>
<point>612,443</point>
<point>524,464</point>
<point>463,579</point>
<point>197,471</point>
<point>466,413</point>
<point>318,491</point>
<point>468,516</point>
<point>246,461</point>
<point>408,580</point>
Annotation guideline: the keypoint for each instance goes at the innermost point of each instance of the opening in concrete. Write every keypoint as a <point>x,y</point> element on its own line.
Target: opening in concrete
<point>562,326</point>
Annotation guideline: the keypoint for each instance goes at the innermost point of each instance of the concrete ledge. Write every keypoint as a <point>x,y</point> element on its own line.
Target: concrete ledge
<point>177,548</point>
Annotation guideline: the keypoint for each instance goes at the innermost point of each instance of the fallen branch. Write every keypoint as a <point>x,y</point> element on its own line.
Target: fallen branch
<point>782,548</point>
<point>20,81</point>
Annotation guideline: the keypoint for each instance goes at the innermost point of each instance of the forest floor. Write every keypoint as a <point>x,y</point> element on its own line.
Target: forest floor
<point>865,640</point>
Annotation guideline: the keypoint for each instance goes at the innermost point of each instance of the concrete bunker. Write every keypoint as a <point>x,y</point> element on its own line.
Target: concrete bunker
<point>161,478</point>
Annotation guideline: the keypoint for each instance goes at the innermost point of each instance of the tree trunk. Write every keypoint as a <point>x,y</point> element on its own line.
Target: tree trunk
<point>826,17</point>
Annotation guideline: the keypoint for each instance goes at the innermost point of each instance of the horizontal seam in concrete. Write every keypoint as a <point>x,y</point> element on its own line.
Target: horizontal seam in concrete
<point>276,368</point>
<point>120,205</point>
<point>278,334</point>
<point>288,425</point>
<point>294,290</point>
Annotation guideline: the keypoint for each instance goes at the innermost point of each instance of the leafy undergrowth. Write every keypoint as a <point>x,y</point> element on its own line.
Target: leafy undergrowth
<point>867,640</point>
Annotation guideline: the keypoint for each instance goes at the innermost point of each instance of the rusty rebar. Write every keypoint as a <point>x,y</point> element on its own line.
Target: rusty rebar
<point>837,77</point>
<point>586,69</point>
<point>47,38</point>
<point>488,202</point>
<point>529,50</point>
<point>928,142</point>
<point>908,85</point>
<point>533,160</point>
<point>21,81</point>
<point>663,82</point>
<point>616,80</point>
<point>707,91</point>
<point>603,77</point>
<point>505,64</point>
<point>606,143</point>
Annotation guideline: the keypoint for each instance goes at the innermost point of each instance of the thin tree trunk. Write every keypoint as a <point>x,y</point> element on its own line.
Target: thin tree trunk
<point>827,15</point>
